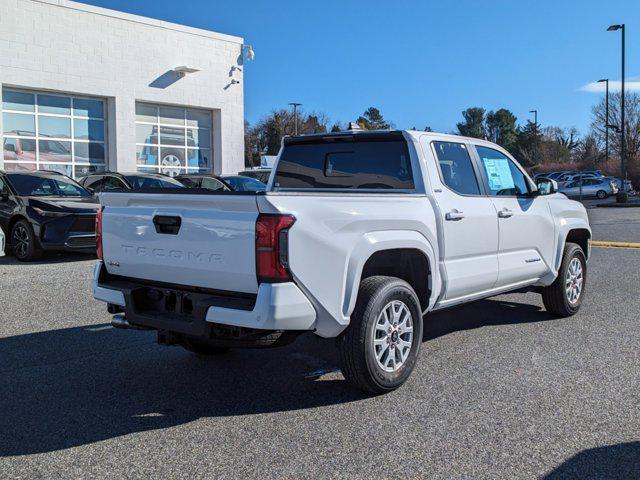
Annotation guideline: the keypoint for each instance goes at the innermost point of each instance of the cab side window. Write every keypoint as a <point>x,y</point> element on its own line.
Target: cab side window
<point>456,169</point>
<point>503,177</point>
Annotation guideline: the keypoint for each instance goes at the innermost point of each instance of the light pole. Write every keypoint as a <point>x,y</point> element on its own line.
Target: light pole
<point>295,106</point>
<point>606,118</point>
<point>535,132</point>
<point>623,170</point>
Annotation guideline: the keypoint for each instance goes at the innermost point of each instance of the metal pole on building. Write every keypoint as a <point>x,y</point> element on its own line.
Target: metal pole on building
<point>606,116</point>
<point>295,106</point>
<point>623,170</point>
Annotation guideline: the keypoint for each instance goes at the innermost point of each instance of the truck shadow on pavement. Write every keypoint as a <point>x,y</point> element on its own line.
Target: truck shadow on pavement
<point>613,462</point>
<point>481,314</point>
<point>69,387</point>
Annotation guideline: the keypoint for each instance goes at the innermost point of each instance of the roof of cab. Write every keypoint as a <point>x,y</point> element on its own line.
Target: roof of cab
<point>382,133</point>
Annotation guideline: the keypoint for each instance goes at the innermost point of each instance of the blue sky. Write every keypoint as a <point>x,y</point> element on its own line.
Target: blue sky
<point>420,62</point>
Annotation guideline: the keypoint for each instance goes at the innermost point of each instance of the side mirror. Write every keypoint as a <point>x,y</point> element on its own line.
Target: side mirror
<point>4,196</point>
<point>547,186</point>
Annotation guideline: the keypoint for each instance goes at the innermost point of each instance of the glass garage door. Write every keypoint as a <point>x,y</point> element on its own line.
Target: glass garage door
<point>51,131</point>
<point>172,140</point>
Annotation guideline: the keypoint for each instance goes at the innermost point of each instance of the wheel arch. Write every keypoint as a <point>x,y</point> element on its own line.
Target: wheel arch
<point>582,237</point>
<point>402,254</point>
<point>15,219</point>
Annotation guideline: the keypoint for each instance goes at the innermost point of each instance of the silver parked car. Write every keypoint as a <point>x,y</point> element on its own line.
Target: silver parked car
<point>600,187</point>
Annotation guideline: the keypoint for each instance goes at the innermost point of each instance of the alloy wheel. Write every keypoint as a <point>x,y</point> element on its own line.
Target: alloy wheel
<point>170,164</point>
<point>393,336</point>
<point>574,280</point>
<point>20,241</point>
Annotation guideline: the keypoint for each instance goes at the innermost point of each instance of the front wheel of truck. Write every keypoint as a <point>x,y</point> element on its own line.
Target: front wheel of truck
<point>379,348</point>
<point>564,296</point>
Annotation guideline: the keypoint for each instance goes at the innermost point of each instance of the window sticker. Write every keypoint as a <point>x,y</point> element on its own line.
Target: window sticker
<point>499,173</point>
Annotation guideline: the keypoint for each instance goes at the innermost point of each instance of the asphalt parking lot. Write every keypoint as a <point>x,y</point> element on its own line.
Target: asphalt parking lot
<point>501,390</point>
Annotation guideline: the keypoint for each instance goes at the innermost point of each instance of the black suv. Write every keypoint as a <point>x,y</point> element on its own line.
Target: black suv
<point>45,210</point>
<point>105,181</point>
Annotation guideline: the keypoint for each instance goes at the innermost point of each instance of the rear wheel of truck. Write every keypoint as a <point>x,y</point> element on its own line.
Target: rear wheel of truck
<point>564,296</point>
<point>379,348</point>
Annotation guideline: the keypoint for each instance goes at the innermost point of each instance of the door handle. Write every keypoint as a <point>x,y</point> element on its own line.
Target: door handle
<point>167,224</point>
<point>505,213</point>
<point>454,215</point>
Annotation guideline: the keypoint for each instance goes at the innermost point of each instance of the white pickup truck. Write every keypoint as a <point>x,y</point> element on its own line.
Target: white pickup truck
<point>358,236</point>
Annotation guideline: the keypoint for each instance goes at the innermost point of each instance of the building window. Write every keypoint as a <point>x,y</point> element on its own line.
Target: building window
<point>172,140</point>
<point>51,131</point>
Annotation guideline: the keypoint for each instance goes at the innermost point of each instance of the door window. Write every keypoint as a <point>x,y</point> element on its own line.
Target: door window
<point>212,184</point>
<point>94,183</point>
<point>112,183</point>
<point>503,177</point>
<point>190,182</point>
<point>456,169</point>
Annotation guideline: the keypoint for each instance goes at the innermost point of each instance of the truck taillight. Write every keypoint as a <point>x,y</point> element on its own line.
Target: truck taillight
<point>99,234</point>
<point>272,247</point>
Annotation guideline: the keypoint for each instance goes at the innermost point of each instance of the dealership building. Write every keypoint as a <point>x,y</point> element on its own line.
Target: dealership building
<point>86,89</point>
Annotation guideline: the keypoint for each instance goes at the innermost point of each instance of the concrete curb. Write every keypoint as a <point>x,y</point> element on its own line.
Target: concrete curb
<point>616,244</point>
<point>619,205</point>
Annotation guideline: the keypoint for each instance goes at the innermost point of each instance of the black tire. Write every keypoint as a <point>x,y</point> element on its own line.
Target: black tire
<point>203,348</point>
<point>24,242</point>
<point>601,194</point>
<point>356,344</point>
<point>555,297</point>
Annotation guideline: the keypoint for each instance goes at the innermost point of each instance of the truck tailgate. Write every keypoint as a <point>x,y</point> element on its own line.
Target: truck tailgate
<point>200,240</point>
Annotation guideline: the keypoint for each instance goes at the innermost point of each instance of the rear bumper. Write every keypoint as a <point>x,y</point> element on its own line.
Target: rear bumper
<point>278,306</point>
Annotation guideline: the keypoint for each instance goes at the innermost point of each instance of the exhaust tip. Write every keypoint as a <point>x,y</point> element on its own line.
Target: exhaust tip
<point>118,321</point>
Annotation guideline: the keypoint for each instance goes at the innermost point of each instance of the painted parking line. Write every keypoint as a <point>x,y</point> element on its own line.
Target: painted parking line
<point>616,244</point>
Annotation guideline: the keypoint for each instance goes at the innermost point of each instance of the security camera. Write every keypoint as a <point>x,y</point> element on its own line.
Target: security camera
<point>250,53</point>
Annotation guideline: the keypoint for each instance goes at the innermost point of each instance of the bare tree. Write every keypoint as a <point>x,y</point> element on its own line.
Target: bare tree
<point>632,121</point>
<point>588,153</point>
<point>266,136</point>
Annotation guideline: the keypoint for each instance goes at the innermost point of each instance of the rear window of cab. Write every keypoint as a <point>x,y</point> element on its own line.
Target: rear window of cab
<point>352,162</point>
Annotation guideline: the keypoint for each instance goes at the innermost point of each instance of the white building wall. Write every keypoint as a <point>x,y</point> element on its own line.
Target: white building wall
<point>70,47</point>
